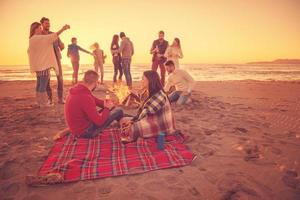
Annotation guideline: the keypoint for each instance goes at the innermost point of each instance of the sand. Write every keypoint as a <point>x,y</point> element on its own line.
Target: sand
<point>246,135</point>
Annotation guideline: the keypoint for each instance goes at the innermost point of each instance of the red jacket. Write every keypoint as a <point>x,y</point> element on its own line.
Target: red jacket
<point>80,110</point>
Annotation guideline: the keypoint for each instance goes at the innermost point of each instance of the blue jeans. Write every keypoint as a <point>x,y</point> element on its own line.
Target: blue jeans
<point>126,69</point>
<point>93,130</point>
<point>41,83</point>
<point>117,68</point>
<point>177,97</point>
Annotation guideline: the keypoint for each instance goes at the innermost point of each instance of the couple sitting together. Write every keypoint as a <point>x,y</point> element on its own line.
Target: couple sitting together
<point>86,121</point>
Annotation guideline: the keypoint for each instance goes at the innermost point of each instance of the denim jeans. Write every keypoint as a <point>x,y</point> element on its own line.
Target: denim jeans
<point>41,83</point>
<point>177,97</point>
<point>126,69</point>
<point>159,62</point>
<point>60,88</point>
<point>93,130</point>
<point>117,68</point>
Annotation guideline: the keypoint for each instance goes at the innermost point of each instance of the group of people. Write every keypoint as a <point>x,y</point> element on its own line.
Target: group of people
<point>81,107</point>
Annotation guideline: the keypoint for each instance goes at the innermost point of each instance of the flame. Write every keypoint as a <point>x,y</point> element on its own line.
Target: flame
<point>121,91</point>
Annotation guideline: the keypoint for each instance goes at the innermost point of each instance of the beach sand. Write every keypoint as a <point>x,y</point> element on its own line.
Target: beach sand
<point>246,135</point>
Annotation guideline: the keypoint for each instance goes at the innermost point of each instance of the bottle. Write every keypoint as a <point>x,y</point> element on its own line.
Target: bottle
<point>161,141</point>
<point>107,97</point>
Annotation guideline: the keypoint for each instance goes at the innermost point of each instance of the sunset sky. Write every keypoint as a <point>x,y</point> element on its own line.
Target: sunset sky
<point>211,31</point>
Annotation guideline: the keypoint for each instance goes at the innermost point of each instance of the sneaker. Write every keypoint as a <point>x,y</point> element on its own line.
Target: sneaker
<point>61,101</point>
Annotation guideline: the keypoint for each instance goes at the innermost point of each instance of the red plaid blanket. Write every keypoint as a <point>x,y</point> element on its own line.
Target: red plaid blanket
<point>105,156</point>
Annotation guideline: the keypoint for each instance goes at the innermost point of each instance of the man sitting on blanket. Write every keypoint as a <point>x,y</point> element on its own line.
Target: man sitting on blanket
<point>182,81</point>
<point>81,113</point>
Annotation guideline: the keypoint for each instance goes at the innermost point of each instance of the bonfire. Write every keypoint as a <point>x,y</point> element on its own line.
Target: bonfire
<point>125,96</point>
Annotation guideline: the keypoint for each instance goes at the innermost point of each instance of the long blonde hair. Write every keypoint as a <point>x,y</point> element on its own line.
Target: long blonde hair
<point>33,27</point>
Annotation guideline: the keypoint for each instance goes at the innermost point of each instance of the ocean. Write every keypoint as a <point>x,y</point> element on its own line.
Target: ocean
<point>200,72</point>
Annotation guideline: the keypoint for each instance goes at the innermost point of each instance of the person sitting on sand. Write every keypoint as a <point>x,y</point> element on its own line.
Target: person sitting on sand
<point>81,113</point>
<point>42,58</point>
<point>73,54</point>
<point>99,59</point>
<point>182,81</point>
<point>155,114</point>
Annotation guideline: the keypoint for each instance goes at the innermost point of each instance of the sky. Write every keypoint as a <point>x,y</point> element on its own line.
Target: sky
<point>211,31</point>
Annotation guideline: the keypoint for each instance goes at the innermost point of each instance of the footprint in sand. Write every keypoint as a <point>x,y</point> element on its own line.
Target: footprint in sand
<point>171,179</point>
<point>290,179</point>
<point>241,130</point>
<point>11,189</point>
<point>148,197</point>
<point>6,170</point>
<point>154,185</point>
<point>34,197</point>
<point>132,186</point>
<point>252,153</point>
<point>194,192</point>
<point>235,189</point>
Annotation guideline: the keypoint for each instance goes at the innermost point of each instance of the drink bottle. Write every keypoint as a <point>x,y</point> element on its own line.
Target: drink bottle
<point>161,141</point>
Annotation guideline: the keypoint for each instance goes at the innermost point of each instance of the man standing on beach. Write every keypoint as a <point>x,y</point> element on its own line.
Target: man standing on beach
<point>58,46</point>
<point>73,54</point>
<point>126,50</point>
<point>158,50</point>
<point>182,81</point>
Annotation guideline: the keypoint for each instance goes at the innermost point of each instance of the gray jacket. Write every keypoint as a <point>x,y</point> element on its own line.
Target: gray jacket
<point>126,48</point>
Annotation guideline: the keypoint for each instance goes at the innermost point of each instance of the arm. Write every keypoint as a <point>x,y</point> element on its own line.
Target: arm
<point>89,108</point>
<point>68,53</point>
<point>99,102</point>
<point>152,50</point>
<point>167,52</point>
<point>190,81</point>
<point>168,84</point>
<point>81,49</point>
<point>60,44</point>
<point>54,36</point>
<point>65,27</point>
<point>121,47</point>
<point>132,48</point>
<point>153,105</point>
<point>180,55</point>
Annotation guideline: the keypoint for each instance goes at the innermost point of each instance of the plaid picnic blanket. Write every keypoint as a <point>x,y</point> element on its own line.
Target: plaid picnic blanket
<point>105,156</point>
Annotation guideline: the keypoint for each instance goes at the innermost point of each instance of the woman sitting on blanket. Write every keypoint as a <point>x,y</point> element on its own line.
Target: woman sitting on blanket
<point>154,115</point>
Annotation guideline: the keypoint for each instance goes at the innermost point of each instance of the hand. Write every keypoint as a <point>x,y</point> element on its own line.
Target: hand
<point>109,104</point>
<point>65,27</point>
<point>125,121</point>
<point>185,93</point>
<point>61,134</point>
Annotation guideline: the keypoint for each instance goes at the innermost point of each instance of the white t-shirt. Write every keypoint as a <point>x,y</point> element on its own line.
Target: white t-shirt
<point>181,79</point>
<point>41,53</point>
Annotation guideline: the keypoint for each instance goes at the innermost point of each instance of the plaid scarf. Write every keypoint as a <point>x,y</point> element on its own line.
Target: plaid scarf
<point>154,117</point>
<point>152,105</point>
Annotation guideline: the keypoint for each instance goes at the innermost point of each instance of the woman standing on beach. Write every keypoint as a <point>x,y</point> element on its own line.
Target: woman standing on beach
<point>174,52</point>
<point>114,48</point>
<point>155,114</point>
<point>99,60</point>
<point>42,58</point>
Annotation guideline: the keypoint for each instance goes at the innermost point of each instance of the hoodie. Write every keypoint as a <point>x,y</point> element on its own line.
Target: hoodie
<point>126,48</point>
<point>81,112</point>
